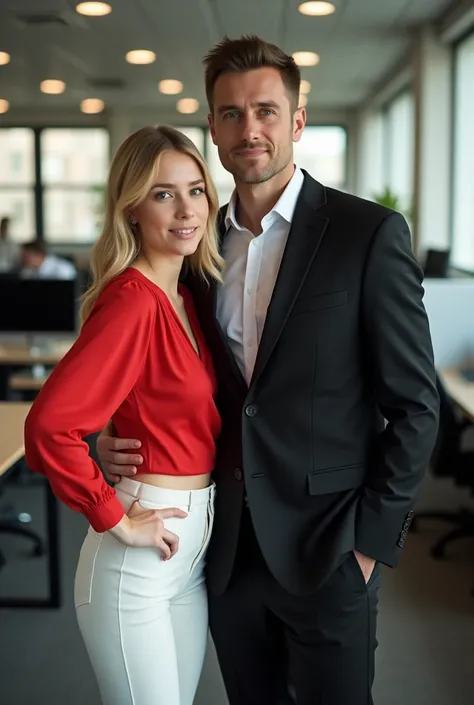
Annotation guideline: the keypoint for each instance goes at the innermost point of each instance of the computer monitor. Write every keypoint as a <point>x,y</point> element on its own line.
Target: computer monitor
<point>436,264</point>
<point>38,306</point>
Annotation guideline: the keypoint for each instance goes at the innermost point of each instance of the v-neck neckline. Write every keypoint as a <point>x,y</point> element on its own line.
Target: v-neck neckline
<point>190,313</point>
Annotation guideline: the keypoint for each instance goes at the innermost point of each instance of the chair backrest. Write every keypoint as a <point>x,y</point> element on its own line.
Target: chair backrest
<point>436,263</point>
<point>448,443</point>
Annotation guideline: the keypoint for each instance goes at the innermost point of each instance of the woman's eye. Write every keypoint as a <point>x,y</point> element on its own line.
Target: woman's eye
<point>197,191</point>
<point>162,195</point>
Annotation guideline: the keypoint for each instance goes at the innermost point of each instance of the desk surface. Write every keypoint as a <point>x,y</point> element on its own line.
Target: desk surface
<point>460,390</point>
<point>12,421</point>
<point>21,354</point>
<point>26,382</point>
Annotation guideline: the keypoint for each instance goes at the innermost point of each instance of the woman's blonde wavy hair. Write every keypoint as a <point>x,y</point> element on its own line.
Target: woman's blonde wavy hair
<point>130,179</point>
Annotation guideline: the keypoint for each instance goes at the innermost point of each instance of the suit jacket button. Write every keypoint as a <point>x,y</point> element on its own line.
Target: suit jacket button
<point>238,474</point>
<point>251,410</point>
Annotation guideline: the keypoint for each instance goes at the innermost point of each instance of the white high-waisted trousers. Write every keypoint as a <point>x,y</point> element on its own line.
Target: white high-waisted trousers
<point>144,620</point>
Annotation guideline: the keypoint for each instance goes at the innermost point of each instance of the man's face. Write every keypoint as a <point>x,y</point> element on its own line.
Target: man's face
<point>31,260</point>
<point>253,126</point>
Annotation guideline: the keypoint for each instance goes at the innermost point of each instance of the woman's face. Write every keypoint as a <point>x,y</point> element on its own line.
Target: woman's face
<point>173,217</point>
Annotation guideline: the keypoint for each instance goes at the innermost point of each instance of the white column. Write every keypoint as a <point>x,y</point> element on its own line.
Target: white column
<point>433,109</point>
<point>120,126</point>
<point>369,155</point>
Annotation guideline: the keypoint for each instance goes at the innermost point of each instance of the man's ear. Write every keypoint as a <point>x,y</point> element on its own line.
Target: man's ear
<point>212,128</point>
<point>299,122</point>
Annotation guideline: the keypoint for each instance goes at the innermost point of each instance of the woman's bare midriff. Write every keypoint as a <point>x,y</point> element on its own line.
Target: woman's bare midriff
<point>174,482</point>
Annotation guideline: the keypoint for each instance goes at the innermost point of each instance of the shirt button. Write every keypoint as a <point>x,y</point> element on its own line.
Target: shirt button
<point>238,474</point>
<point>251,410</point>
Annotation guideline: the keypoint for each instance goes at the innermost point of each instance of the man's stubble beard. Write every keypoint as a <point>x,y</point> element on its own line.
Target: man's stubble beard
<point>273,169</point>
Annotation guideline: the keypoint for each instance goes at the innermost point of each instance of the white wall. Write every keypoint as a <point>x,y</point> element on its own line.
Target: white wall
<point>450,307</point>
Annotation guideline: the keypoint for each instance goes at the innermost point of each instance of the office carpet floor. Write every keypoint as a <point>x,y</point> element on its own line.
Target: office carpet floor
<point>426,622</point>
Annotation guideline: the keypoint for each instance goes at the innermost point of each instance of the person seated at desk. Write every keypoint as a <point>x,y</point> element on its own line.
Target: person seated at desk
<point>9,251</point>
<point>36,263</point>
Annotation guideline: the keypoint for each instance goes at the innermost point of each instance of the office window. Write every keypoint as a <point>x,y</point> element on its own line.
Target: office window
<point>195,134</point>
<point>74,166</point>
<point>16,162</point>
<point>322,152</point>
<point>398,149</point>
<point>17,179</point>
<point>462,255</point>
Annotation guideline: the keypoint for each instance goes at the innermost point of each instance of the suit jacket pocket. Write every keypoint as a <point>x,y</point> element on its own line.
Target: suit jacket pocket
<point>336,479</point>
<point>316,303</point>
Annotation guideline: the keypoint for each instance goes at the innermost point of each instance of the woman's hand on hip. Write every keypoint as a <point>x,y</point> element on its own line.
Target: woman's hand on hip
<point>144,528</point>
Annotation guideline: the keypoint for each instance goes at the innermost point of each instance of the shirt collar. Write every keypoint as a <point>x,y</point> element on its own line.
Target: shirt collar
<point>284,207</point>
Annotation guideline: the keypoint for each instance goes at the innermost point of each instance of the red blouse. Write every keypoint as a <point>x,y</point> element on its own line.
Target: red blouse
<point>133,362</point>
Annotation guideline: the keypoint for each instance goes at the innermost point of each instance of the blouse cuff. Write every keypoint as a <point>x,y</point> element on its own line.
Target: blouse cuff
<point>106,515</point>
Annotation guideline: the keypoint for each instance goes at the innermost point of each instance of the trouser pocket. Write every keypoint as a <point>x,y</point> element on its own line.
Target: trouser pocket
<point>209,523</point>
<point>85,568</point>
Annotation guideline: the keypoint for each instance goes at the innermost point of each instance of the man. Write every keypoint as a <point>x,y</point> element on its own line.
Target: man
<point>328,398</point>
<point>9,250</point>
<point>36,263</point>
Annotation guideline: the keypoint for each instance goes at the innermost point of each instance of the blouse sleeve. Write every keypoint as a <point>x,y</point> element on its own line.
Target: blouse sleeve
<point>82,394</point>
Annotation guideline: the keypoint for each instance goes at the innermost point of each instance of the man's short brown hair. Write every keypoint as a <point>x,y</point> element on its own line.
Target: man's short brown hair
<point>247,54</point>
<point>39,247</point>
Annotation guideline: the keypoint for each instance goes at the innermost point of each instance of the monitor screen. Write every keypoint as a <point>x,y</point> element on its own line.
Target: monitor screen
<point>38,305</point>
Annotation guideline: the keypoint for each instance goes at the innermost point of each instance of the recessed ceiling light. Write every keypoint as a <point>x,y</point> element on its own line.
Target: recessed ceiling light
<point>305,86</point>
<point>52,86</point>
<point>187,105</point>
<point>94,9</point>
<point>140,56</point>
<point>91,106</point>
<point>4,58</point>
<point>170,87</point>
<point>4,105</point>
<point>303,100</point>
<point>317,9</point>
<point>306,58</point>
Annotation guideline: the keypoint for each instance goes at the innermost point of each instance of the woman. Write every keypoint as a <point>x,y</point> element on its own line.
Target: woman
<point>141,360</point>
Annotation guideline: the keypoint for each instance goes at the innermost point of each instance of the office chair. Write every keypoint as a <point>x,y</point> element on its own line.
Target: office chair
<point>436,263</point>
<point>13,523</point>
<point>449,460</point>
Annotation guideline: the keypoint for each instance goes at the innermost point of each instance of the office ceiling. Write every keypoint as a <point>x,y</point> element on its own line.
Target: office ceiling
<point>357,45</point>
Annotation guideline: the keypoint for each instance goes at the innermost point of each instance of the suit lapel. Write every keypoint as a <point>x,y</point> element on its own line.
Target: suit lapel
<point>306,232</point>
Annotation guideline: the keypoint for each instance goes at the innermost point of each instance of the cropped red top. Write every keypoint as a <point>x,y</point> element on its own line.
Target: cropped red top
<point>133,362</point>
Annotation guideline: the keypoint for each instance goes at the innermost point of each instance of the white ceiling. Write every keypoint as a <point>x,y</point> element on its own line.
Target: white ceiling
<point>358,45</point>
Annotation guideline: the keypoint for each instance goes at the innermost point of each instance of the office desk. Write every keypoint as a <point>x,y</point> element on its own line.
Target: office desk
<point>22,354</point>
<point>26,382</point>
<point>460,390</point>
<point>12,421</point>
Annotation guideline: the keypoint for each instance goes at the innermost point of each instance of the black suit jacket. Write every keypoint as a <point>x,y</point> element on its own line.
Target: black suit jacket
<point>332,438</point>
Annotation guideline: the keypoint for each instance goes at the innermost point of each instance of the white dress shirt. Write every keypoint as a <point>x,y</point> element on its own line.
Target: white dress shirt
<point>52,267</point>
<point>252,264</point>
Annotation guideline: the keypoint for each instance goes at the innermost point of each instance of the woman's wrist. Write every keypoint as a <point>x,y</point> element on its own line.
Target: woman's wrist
<point>121,530</point>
